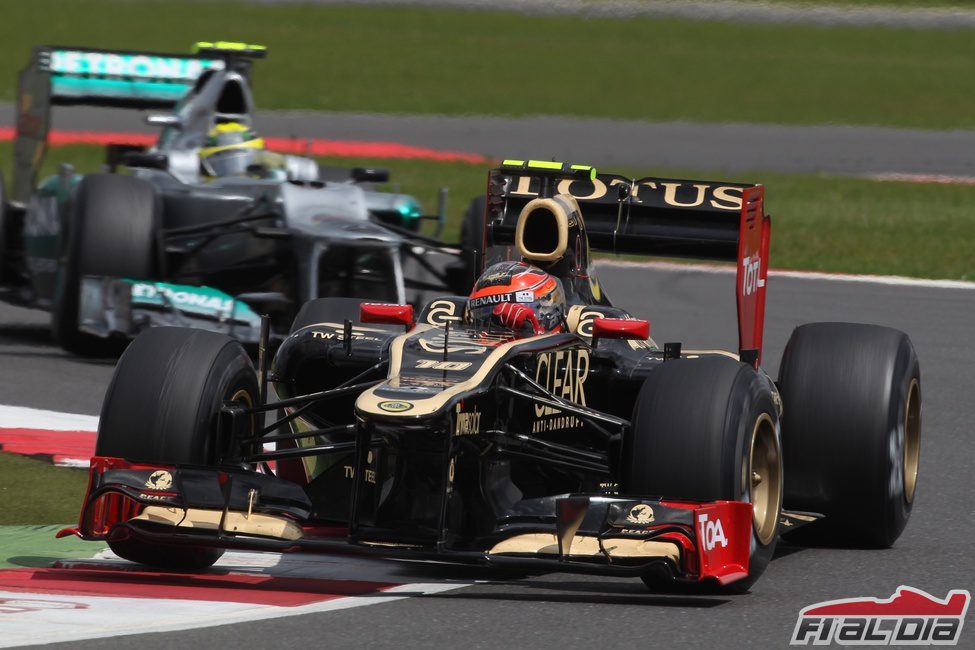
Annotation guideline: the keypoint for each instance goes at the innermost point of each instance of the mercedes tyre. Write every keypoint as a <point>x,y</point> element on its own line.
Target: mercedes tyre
<point>113,231</point>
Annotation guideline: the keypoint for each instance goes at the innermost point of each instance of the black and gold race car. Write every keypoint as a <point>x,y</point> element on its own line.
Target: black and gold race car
<point>581,446</point>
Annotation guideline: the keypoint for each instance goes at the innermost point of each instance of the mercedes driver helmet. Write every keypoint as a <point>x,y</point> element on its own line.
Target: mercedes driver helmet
<point>230,149</point>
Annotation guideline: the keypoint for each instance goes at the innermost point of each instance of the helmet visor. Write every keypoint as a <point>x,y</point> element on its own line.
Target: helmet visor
<point>548,305</point>
<point>229,162</point>
<point>480,310</point>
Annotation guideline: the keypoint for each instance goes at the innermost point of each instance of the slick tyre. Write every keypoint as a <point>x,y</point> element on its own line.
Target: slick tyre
<point>113,231</point>
<point>851,431</point>
<point>162,406</point>
<point>165,397</point>
<point>708,429</point>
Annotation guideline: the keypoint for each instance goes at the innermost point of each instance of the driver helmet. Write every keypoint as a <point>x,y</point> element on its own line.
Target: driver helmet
<point>523,285</point>
<point>230,149</point>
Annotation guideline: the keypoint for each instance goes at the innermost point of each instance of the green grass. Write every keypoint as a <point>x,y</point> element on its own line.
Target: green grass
<point>39,499</point>
<point>36,492</point>
<point>854,225</point>
<point>402,59</point>
<point>36,545</point>
<point>825,223</point>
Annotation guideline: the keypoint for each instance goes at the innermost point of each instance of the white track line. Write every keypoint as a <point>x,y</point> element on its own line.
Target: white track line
<point>20,417</point>
<point>55,620</point>
<point>79,463</point>
<point>101,617</point>
<point>938,179</point>
<point>894,280</point>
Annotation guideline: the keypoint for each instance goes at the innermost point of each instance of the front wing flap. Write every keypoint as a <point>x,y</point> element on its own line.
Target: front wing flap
<point>712,539</point>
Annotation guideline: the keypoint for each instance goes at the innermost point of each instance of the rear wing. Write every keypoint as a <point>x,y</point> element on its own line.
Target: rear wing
<point>59,75</point>
<point>651,216</point>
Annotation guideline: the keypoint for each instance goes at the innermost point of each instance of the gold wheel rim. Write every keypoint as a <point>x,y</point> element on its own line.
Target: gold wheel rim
<point>243,396</point>
<point>912,439</point>
<point>765,479</point>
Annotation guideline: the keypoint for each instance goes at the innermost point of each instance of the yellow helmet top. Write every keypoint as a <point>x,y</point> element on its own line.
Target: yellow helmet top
<point>230,150</point>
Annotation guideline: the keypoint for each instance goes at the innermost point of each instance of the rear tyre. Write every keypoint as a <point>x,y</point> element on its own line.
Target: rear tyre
<point>112,232</point>
<point>162,406</point>
<point>708,429</point>
<point>851,431</point>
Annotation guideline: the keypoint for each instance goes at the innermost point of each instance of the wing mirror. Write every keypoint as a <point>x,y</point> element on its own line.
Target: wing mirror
<point>620,328</point>
<point>163,120</point>
<point>146,159</point>
<point>264,298</point>
<point>387,314</point>
<point>370,175</point>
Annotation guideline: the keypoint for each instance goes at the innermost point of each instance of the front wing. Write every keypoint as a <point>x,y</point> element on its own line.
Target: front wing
<point>588,533</point>
<point>124,307</point>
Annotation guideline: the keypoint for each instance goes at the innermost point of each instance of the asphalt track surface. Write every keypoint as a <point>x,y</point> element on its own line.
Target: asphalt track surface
<point>558,610</point>
<point>608,143</point>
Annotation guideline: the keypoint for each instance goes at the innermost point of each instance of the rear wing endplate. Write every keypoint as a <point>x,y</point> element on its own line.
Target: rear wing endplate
<point>662,217</point>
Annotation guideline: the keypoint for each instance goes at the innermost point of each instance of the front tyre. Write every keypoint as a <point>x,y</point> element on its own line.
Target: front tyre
<point>707,429</point>
<point>162,406</point>
<point>113,232</point>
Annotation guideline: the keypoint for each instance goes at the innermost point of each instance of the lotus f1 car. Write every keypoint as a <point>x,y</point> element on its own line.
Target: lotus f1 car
<point>588,448</point>
<point>166,244</point>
